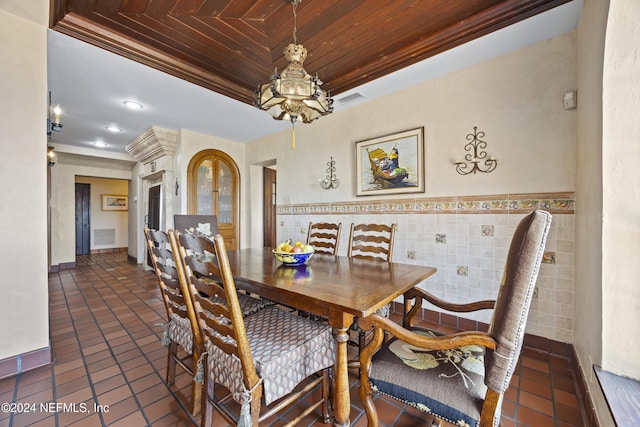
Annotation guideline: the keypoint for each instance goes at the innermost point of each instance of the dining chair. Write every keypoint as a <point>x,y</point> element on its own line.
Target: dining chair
<point>181,329</point>
<point>459,378</point>
<point>373,242</point>
<point>201,225</point>
<point>324,237</point>
<point>258,358</point>
<point>199,245</point>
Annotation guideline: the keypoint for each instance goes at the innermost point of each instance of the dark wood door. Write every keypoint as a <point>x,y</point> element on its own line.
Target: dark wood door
<point>83,219</point>
<point>269,208</point>
<point>153,214</point>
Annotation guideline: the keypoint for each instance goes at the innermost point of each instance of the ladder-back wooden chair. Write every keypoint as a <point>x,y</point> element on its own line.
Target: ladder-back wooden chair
<point>262,357</point>
<point>459,378</point>
<point>181,321</point>
<point>201,246</point>
<point>373,242</point>
<point>201,225</point>
<point>324,237</point>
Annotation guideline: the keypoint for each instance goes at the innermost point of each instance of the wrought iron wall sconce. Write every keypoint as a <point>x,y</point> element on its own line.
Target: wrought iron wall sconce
<point>476,160</point>
<point>330,181</point>
<point>177,186</point>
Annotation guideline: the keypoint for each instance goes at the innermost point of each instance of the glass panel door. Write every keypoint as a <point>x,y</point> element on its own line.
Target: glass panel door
<point>225,194</point>
<point>204,185</point>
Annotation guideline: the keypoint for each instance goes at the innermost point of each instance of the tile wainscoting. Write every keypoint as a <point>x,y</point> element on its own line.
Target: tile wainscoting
<point>466,239</point>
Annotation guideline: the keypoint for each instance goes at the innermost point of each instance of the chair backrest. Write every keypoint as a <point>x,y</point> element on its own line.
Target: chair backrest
<point>371,241</point>
<point>206,225</point>
<point>164,265</point>
<point>215,300</point>
<point>193,244</point>
<point>324,237</point>
<point>514,298</point>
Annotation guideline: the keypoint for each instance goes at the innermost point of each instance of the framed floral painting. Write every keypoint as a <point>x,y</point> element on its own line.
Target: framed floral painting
<point>391,164</point>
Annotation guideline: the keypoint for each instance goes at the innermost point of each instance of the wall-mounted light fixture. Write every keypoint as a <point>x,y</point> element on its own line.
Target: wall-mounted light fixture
<point>51,156</point>
<point>177,186</point>
<point>330,181</point>
<point>476,156</point>
<point>53,118</point>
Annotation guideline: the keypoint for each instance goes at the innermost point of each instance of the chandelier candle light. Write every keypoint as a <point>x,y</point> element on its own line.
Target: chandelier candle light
<point>294,94</point>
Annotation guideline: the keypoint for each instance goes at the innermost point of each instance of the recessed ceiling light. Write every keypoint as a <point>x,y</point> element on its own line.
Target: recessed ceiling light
<point>133,105</point>
<point>114,129</point>
<point>100,144</point>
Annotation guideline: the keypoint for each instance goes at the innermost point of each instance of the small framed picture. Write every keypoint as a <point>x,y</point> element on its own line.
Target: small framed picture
<point>391,164</point>
<point>111,202</point>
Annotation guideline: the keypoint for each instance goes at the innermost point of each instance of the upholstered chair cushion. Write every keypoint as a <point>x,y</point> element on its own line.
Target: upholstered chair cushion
<point>286,349</point>
<point>446,383</point>
<point>179,331</point>
<point>179,328</point>
<point>248,304</point>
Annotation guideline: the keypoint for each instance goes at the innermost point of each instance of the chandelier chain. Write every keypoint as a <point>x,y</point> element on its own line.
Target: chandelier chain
<point>295,21</point>
<point>293,94</point>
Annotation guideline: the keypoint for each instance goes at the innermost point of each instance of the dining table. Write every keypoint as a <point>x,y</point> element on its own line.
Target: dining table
<point>337,288</point>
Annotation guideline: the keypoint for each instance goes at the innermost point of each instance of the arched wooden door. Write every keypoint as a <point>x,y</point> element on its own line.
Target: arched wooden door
<point>214,189</point>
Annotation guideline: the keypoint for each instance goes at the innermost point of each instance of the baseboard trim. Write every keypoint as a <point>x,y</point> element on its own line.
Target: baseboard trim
<point>108,251</point>
<point>62,266</point>
<point>584,395</point>
<point>25,362</point>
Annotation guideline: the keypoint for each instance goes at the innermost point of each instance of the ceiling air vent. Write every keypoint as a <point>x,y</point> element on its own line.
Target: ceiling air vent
<point>350,98</point>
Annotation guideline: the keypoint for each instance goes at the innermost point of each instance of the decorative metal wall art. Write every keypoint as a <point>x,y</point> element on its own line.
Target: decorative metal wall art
<point>330,181</point>
<point>476,160</point>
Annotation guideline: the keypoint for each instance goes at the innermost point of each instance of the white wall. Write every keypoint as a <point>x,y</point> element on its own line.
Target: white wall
<point>588,295</point>
<point>102,220</point>
<point>621,196</point>
<point>24,311</point>
<point>515,99</point>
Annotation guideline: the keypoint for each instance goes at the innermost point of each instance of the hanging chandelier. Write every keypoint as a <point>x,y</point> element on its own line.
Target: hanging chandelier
<point>294,94</point>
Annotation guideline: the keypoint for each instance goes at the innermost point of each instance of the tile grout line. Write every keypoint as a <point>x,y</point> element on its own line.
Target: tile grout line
<point>110,349</point>
<point>82,355</point>
<point>125,303</point>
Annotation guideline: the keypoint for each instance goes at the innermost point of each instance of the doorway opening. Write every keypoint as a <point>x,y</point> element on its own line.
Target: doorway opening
<point>101,215</point>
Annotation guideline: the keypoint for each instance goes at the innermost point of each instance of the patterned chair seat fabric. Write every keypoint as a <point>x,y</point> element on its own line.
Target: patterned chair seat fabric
<point>286,349</point>
<point>179,328</point>
<point>250,305</point>
<point>426,379</point>
<point>179,331</point>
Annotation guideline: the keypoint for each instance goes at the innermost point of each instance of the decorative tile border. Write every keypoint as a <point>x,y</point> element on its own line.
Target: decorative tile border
<point>558,203</point>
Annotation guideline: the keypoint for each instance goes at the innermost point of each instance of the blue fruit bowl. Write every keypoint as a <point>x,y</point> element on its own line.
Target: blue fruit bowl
<point>292,258</point>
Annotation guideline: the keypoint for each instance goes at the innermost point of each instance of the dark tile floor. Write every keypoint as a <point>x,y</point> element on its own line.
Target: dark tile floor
<point>108,365</point>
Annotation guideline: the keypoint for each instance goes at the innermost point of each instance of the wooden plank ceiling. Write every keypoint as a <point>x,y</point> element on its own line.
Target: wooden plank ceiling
<point>232,46</point>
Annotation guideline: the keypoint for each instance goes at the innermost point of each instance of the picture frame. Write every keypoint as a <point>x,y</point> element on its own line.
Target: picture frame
<point>391,164</point>
<point>113,202</point>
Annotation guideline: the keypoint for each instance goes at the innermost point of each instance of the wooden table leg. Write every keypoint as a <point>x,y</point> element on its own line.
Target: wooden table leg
<point>341,396</point>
